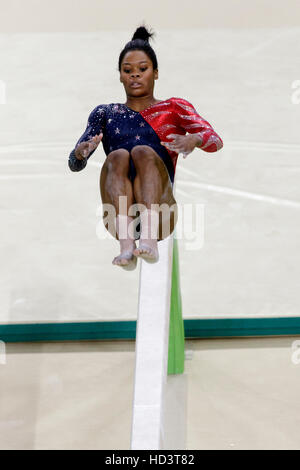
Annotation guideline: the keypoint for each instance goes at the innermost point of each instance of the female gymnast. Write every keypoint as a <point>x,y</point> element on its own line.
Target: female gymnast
<point>141,139</point>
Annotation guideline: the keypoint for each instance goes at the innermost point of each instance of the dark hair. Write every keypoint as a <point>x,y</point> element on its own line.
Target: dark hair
<point>140,42</point>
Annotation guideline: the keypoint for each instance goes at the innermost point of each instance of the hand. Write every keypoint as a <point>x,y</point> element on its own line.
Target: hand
<point>83,150</point>
<point>184,144</point>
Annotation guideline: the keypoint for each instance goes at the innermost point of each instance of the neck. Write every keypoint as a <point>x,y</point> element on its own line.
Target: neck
<point>138,103</point>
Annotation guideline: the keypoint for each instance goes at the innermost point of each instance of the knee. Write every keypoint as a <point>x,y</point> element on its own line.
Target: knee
<point>142,151</point>
<point>118,160</point>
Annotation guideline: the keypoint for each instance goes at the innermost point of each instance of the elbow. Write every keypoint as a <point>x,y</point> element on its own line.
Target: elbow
<point>77,166</point>
<point>213,144</point>
<point>74,163</point>
<point>71,166</point>
<point>219,144</point>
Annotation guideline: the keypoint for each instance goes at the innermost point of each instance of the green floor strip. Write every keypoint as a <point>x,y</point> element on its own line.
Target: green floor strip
<point>126,330</point>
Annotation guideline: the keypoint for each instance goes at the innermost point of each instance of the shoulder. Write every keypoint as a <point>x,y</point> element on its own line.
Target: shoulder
<point>182,103</point>
<point>99,111</point>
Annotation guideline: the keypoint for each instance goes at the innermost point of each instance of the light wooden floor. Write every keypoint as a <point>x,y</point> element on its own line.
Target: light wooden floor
<point>236,394</point>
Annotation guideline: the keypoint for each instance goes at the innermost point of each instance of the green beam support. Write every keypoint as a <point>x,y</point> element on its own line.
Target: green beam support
<point>176,332</point>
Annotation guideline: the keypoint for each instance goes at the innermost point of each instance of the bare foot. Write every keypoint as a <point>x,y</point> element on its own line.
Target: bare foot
<point>148,251</point>
<point>126,259</point>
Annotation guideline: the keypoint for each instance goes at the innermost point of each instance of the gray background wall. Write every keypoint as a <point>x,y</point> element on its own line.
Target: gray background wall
<point>99,15</point>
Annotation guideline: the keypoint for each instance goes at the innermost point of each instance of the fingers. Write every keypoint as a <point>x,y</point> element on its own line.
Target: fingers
<point>94,142</point>
<point>172,146</point>
<point>179,144</point>
<point>96,139</point>
<point>99,136</point>
<point>175,135</point>
<point>86,147</point>
<point>176,148</point>
<point>83,150</point>
<point>176,144</point>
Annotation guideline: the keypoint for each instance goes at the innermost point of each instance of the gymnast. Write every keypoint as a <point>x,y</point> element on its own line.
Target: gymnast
<point>142,139</point>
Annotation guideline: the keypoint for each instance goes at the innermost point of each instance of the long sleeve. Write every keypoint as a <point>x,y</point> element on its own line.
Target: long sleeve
<point>190,121</point>
<point>95,125</point>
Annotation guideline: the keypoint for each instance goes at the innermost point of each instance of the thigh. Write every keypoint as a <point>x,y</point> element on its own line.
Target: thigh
<point>168,214</point>
<point>142,155</point>
<point>116,165</point>
<point>116,162</point>
<point>168,210</point>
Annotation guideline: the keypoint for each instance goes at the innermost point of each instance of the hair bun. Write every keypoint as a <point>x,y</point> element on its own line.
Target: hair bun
<point>142,33</point>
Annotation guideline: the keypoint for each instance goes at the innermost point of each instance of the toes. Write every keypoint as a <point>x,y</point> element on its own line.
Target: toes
<point>144,251</point>
<point>124,263</point>
<point>124,259</point>
<point>120,261</point>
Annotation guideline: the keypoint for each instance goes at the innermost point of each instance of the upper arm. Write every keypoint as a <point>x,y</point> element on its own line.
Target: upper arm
<point>190,121</point>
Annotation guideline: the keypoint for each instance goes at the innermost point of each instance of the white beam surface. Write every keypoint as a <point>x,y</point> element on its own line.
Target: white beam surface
<point>152,340</point>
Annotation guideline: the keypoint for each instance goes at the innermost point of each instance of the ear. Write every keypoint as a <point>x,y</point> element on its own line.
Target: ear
<point>155,74</point>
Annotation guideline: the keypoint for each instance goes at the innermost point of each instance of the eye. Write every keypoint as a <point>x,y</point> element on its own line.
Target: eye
<point>142,69</point>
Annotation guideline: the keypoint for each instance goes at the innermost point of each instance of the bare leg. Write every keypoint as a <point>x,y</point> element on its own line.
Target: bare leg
<point>114,183</point>
<point>148,189</point>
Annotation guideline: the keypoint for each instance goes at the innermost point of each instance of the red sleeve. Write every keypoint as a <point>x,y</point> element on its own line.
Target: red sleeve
<point>190,121</point>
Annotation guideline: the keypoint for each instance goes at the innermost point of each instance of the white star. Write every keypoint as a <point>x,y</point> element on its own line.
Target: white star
<point>131,116</point>
<point>117,131</point>
<point>142,124</point>
<point>109,120</point>
<point>137,137</point>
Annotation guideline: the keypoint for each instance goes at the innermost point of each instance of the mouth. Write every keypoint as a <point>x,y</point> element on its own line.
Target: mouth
<point>135,85</point>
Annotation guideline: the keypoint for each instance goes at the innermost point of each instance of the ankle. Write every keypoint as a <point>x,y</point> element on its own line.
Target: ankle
<point>149,225</point>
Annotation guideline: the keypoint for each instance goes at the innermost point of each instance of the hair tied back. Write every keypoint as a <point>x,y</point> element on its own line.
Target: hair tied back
<point>142,33</point>
<point>140,42</point>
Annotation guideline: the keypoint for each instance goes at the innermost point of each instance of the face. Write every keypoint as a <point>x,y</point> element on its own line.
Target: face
<point>137,67</point>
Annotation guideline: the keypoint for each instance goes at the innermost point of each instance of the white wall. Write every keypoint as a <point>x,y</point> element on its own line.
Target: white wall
<point>98,15</point>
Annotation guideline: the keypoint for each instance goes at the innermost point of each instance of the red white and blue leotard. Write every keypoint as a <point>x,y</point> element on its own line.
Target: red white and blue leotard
<point>125,128</point>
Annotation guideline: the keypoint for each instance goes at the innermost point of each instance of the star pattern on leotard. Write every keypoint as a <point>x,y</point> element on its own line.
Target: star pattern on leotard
<point>148,127</point>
